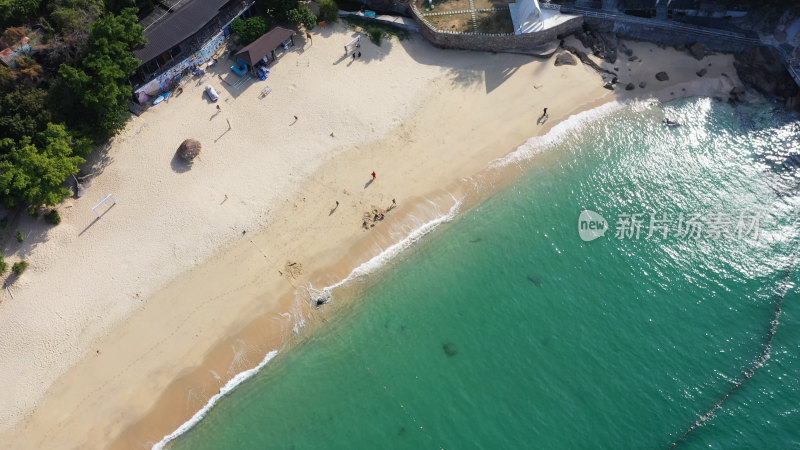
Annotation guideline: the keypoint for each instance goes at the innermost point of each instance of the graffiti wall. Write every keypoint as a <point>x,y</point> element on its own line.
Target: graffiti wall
<point>164,81</point>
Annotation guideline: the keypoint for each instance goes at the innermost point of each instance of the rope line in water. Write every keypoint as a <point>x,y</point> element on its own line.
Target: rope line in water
<point>764,357</point>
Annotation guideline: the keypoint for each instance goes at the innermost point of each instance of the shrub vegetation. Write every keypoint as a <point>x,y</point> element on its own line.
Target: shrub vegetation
<point>19,267</point>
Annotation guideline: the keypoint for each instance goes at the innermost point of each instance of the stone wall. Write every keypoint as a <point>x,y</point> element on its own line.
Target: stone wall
<point>665,35</point>
<point>493,42</point>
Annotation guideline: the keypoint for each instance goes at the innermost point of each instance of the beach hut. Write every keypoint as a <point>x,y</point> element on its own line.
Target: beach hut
<point>189,150</point>
<point>262,50</point>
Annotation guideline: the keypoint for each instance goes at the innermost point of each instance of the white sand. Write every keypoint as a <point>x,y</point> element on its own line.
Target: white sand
<point>172,294</point>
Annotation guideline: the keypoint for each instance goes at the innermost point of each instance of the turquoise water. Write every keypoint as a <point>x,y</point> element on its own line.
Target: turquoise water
<point>503,329</point>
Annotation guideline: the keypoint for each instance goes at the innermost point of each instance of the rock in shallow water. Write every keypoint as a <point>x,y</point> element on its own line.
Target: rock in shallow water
<point>662,76</point>
<point>450,349</point>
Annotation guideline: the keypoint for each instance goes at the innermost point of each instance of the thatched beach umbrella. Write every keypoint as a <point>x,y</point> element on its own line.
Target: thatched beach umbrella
<point>189,149</point>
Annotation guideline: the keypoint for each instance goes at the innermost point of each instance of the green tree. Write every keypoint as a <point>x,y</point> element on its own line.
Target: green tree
<point>249,30</point>
<point>96,94</point>
<point>301,15</point>
<point>17,11</point>
<point>277,8</point>
<point>307,17</point>
<point>74,15</point>
<point>3,265</point>
<point>23,112</point>
<point>32,175</point>
<point>328,10</point>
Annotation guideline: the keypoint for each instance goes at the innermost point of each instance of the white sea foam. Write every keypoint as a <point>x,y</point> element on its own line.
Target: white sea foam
<point>364,269</point>
<point>229,386</point>
<point>574,123</point>
<point>393,250</point>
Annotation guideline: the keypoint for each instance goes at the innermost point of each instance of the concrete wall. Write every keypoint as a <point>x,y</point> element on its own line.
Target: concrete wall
<point>493,42</point>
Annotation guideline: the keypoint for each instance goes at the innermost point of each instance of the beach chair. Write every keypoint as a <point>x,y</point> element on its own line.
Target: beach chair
<point>265,92</point>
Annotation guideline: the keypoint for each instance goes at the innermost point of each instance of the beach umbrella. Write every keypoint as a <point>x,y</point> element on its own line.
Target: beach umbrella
<point>189,149</point>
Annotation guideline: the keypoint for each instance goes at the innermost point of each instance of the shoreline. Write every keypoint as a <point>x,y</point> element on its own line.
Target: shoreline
<point>272,306</point>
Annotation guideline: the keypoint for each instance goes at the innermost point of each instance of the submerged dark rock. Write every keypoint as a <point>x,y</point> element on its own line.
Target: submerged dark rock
<point>662,76</point>
<point>702,72</point>
<point>450,349</point>
<point>535,280</point>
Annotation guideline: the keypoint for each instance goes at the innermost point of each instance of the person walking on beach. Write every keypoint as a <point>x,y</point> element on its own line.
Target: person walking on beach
<point>373,175</point>
<point>354,56</point>
<point>394,202</point>
<point>545,113</point>
<point>296,118</point>
<point>359,54</point>
<point>308,36</point>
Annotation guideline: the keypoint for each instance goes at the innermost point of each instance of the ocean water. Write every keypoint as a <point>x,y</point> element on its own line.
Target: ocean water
<point>504,329</point>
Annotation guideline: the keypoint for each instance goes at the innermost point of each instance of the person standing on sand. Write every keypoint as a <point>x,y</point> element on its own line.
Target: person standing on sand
<point>373,175</point>
<point>545,113</point>
<point>308,36</point>
<point>394,202</point>
<point>359,54</point>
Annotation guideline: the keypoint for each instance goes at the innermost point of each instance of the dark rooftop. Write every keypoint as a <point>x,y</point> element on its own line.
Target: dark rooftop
<point>172,22</point>
<point>262,46</point>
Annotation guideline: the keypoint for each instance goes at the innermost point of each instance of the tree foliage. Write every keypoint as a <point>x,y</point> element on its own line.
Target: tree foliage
<point>328,10</point>
<point>23,112</point>
<point>74,88</point>
<point>34,174</point>
<point>301,15</point>
<point>97,92</point>
<point>17,11</point>
<point>249,30</point>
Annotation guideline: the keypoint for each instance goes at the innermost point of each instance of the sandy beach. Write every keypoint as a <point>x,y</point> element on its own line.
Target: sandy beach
<point>125,326</point>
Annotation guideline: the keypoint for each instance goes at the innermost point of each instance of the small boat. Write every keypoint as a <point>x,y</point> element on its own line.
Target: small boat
<point>161,98</point>
<point>671,123</point>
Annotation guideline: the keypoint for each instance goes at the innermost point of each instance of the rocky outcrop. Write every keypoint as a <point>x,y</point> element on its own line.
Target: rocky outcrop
<point>662,76</point>
<point>630,87</point>
<point>602,45</point>
<point>762,69</point>
<point>565,58</point>
<point>586,60</point>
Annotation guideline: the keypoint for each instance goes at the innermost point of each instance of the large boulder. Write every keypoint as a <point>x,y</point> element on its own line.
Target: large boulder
<point>662,76</point>
<point>565,58</point>
<point>630,87</point>
<point>698,50</point>
<point>643,84</point>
